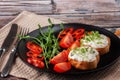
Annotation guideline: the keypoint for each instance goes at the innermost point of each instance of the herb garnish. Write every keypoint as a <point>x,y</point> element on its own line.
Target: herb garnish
<point>47,41</point>
<point>93,36</point>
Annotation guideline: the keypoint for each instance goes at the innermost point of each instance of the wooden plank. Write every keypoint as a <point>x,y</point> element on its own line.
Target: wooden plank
<point>5,19</point>
<point>94,12</point>
<point>36,2</point>
<point>85,0</point>
<point>15,3</point>
<point>13,7</point>
<point>97,19</point>
<point>28,7</point>
<point>86,6</point>
<point>9,9</point>
<point>23,0</point>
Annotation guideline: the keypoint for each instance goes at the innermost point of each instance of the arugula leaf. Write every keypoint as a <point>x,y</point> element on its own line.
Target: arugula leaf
<point>47,41</point>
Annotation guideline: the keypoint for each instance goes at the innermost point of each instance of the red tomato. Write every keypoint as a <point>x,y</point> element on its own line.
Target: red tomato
<point>79,31</point>
<point>38,63</point>
<point>41,58</point>
<point>34,47</point>
<point>61,57</point>
<point>75,44</point>
<point>32,54</point>
<point>66,41</point>
<point>29,60</point>
<point>77,34</point>
<point>64,32</point>
<point>62,67</point>
<point>77,37</point>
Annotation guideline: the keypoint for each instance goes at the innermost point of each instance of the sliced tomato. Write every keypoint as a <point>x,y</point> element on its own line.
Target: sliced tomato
<point>79,31</point>
<point>77,34</point>
<point>29,60</point>
<point>75,45</point>
<point>61,57</point>
<point>62,67</point>
<point>32,54</point>
<point>34,47</point>
<point>78,37</point>
<point>66,41</point>
<point>64,32</point>
<point>37,62</point>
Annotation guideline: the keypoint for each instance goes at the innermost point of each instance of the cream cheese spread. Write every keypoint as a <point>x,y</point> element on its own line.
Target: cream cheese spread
<point>95,40</point>
<point>83,53</point>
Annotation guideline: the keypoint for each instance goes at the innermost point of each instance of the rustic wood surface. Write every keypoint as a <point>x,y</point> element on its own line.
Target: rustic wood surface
<point>104,13</point>
<point>95,12</point>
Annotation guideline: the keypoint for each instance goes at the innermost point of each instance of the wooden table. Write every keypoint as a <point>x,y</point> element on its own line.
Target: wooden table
<point>103,13</point>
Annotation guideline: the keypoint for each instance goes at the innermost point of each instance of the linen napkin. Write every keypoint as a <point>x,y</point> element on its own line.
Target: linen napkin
<point>20,69</point>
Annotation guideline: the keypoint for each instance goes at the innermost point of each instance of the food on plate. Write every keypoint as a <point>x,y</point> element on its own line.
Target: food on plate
<point>60,62</point>
<point>71,47</point>
<point>79,33</point>
<point>44,40</point>
<point>34,47</point>
<point>61,57</point>
<point>62,67</point>
<point>76,47</point>
<point>36,62</point>
<point>84,58</point>
<point>75,44</point>
<point>66,41</point>
<point>71,38</point>
<point>97,41</point>
<point>34,55</point>
<point>65,31</point>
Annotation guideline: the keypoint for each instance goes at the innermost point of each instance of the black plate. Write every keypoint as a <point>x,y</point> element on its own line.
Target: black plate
<point>105,60</point>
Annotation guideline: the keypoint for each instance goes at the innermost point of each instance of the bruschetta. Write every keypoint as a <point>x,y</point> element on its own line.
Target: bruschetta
<point>98,41</point>
<point>84,58</point>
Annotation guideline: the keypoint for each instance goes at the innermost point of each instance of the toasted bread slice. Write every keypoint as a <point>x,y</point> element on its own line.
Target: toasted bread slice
<point>101,43</point>
<point>105,49</point>
<point>84,65</point>
<point>84,58</point>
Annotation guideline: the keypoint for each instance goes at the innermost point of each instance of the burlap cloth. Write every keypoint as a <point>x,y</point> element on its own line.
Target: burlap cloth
<point>20,69</point>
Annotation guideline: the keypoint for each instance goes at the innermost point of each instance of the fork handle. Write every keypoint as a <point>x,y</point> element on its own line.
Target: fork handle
<point>8,66</point>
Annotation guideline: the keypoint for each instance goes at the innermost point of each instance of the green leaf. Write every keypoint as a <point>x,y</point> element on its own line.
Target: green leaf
<point>50,22</point>
<point>62,26</point>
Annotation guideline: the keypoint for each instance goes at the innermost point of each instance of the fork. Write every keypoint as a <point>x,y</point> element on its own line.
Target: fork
<point>5,71</point>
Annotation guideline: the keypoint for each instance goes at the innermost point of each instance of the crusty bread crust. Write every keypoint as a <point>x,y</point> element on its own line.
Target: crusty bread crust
<point>84,65</point>
<point>104,50</point>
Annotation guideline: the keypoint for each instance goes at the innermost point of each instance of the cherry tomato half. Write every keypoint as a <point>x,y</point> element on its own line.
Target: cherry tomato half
<point>62,67</point>
<point>32,54</point>
<point>34,47</point>
<point>66,41</point>
<point>64,32</point>
<point>29,60</point>
<point>77,34</point>
<point>36,62</point>
<point>75,45</point>
<point>61,57</point>
<point>78,37</point>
